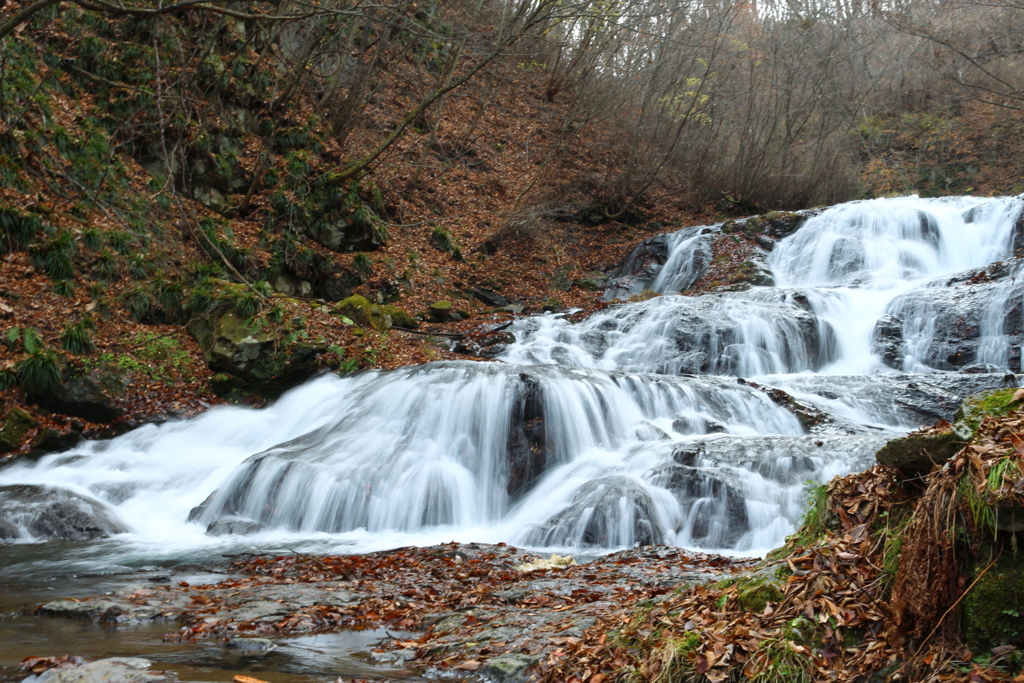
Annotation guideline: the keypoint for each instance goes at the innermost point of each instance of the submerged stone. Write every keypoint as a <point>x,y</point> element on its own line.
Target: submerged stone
<point>112,670</point>
<point>509,668</point>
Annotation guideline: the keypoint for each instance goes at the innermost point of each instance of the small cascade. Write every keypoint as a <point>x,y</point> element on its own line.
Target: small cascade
<point>684,420</point>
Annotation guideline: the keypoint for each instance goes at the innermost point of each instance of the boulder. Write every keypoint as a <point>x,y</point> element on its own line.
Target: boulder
<point>687,254</point>
<point>16,425</point>
<point>261,358</point>
<point>29,511</point>
<point>292,286</point>
<point>92,396</point>
<point>213,199</point>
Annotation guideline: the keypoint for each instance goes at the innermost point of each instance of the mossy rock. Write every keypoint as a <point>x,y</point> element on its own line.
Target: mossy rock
<point>752,274</point>
<point>399,316</point>
<point>993,610</point>
<point>593,282</point>
<point>261,359</point>
<point>17,424</point>
<point>374,316</point>
<point>755,590</point>
<point>920,453</point>
<point>976,407</point>
<point>363,313</point>
<point>440,311</point>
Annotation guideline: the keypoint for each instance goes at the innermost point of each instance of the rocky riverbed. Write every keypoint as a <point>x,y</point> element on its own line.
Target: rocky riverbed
<point>486,611</point>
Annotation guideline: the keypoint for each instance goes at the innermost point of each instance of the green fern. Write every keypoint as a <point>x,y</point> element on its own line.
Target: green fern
<point>32,341</point>
<point>75,338</point>
<point>362,264</point>
<point>39,372</point>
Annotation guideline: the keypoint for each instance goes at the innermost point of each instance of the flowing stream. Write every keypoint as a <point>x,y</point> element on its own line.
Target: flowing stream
<point>650,422</point>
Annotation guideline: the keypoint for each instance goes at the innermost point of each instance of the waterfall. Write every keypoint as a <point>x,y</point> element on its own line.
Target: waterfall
<point>685,420</point>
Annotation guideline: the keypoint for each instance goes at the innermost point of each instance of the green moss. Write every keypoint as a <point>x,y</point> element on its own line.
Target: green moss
<point>399,316</point>
<point>993,611</point>
<point>817,519</point>
<point>367,315</point>
<point>978,406</point>
<point>17,424</point>
<point>754,591</point>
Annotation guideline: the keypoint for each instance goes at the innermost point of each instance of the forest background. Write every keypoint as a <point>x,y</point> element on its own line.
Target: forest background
<point>192,193</point>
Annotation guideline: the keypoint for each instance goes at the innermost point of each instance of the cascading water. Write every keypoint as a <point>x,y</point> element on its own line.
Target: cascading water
<point>628,427</point>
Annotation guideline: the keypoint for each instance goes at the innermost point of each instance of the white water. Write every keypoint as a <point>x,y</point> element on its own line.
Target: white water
<point>561,447</point>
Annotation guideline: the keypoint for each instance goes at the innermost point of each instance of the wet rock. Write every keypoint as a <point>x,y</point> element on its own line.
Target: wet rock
<point>972,318</point>
<point>92,396</point>
<point>397,657</point>
<point>750,274</point>
<point>112,670</point>
<point>528,452</point>
<point>808,415</point>
<point>250,644</point>
<point>229,526</point>
<point>16,425</point>
<point>450,623</point>
<point>639,270</point>
<point>260,358</point>
<point>263,610</point>
<point>765,242</point>
<point>509,668</point>
<point>904,398</point>
<point>45,512</point>
<point>52,441</point>
<point>103,611</point>
<point>606,512</point>
<point>198,511</point>
<point>1018,235</point>
<point>781,224</point>
<point>713,505</point>
<point>920,453</point>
